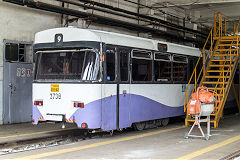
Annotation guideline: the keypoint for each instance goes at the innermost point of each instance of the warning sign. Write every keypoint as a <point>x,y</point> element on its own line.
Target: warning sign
<point>54,87</point>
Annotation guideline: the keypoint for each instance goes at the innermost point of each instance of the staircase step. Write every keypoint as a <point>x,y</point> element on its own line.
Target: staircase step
<point>220,65</point>
<point>232,49</point>
<point>218,71</point>
<point>213,82</point>
<point>220,55</point>
<point>220,95</point>
<point>222,60</point>
<point>215,88</point>
<point>217,77</point>
<point>227,38</point>
<point>227,45</point>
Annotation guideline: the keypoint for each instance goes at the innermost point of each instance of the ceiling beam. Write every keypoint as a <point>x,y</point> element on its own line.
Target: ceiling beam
<point>182,3</point>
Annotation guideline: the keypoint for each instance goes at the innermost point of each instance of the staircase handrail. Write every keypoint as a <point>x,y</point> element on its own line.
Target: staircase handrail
<point>219,38</point>
<point>186,97</point>
<point>229,52</point>
<point>213,30</point>
<point>224,79</point>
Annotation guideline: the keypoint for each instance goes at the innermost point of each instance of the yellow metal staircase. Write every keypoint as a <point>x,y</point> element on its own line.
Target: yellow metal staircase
<point>219,59</point>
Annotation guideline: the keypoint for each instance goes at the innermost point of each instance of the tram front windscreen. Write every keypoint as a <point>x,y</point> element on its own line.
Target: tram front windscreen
<point>80,65</point>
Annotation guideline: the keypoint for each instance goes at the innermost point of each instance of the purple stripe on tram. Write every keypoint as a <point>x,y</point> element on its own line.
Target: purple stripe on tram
<point>90,114</point>
<point>139,109</point>
<point>143,109</point>
<point>36,114</point>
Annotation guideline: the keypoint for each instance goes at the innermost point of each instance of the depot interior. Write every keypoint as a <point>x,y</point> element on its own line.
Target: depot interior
<point>184,22</point>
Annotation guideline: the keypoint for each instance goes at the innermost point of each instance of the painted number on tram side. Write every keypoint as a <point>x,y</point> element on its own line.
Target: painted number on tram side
<point>55,95</point>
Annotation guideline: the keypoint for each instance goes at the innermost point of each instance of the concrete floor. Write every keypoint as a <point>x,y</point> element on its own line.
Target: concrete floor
<point>27,130</point>
<point>160,143</point>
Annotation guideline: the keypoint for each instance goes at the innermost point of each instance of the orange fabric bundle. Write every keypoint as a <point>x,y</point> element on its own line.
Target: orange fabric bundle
<point>194,107</point>
<point>204,96</point>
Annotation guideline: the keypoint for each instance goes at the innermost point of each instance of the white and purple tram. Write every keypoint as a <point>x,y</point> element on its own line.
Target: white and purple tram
<point>108,81</point>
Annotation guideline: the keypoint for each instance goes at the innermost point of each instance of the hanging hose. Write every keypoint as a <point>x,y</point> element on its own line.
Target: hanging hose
<point>218,100</point>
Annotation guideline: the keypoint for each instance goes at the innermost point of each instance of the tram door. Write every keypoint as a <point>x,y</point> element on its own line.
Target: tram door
<point>124,87</point>
<point>109,89</point>
<point>115,90</point>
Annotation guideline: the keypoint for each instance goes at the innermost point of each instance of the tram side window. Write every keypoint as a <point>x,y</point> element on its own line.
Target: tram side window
<point>110,64</point>
<point>141,65</point>
<point>162,67</point>
<point>179,69</point>
<point>124,54</point>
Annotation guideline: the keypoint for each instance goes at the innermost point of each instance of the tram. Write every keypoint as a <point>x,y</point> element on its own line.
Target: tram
<point>106,81</point>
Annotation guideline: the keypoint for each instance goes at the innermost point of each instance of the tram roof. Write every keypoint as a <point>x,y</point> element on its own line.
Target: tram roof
<point>70,35</point>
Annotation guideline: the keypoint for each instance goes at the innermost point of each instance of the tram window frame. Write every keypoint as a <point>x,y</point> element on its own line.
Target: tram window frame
<point>135,57</point>
<point>162,60</point>
<point>110,47</point>
<point>141,51</point>
<point>126,50</point>
<point>180,62</point>
<point>79,64</point>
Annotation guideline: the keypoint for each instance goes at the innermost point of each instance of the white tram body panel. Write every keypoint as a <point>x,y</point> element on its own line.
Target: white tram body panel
<point>70,34</point>
<point>69,93</point>
<point>106,105</point>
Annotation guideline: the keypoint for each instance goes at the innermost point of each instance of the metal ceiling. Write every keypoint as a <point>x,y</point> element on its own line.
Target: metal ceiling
<point>153,22</point>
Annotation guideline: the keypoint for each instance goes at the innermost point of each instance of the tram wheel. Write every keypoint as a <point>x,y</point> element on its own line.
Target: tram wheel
<point>139,126</point>
<point>158,122</point>
<point>165,121</point>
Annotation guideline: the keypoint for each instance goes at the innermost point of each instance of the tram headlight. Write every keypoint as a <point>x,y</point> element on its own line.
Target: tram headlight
<point>38,102</point>
<point>78,104</point>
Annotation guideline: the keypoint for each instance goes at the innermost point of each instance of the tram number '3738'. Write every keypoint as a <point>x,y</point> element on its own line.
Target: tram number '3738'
<point>55,95</point>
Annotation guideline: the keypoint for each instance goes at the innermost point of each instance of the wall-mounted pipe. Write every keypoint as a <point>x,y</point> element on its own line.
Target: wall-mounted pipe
<point>101,20</point>
<point>153,19</point>
<point>154,23</point>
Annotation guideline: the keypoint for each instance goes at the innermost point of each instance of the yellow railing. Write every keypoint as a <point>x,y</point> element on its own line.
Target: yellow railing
<point>235,35</point>
<point>224,77</point>
<point>219,25</point>
<point>195,74</point>
<point>230,54</point>
<point>218,30</point>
